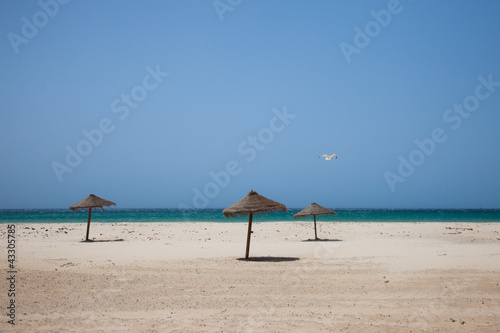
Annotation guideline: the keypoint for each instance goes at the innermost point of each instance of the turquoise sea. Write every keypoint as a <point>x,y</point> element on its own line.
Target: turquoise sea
<point>113,215</point>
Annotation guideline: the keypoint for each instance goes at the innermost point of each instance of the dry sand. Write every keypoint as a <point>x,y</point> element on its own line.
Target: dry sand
<point>188,277</point>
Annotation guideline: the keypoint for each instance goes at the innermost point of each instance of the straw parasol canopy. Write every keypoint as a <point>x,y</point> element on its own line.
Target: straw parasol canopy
<point>251,204</point>
<point>91,202</point>
<point>314,209</point>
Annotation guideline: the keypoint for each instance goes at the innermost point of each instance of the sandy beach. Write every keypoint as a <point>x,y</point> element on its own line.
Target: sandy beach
<point>189,277</point>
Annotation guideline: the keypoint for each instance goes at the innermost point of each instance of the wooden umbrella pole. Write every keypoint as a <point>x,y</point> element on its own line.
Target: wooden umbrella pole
<point>315,233</point>
<point>248,235</point>
<point>88,225</point>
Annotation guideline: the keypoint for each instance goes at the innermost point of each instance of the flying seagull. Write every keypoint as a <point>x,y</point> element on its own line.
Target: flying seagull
<point>328,157</point>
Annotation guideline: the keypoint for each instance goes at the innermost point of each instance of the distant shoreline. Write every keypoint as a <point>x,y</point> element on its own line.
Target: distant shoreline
<point>215,215</point>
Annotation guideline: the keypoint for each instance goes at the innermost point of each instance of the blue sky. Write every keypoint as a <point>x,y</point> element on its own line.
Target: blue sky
<point>193,103</point>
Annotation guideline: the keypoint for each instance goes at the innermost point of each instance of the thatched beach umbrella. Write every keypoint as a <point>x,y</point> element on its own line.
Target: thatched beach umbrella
<point>314,209</point>
<point>92,201</point>
<point>252,203</point>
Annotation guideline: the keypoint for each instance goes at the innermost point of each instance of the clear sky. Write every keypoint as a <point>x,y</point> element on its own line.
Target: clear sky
<point>166,104</point>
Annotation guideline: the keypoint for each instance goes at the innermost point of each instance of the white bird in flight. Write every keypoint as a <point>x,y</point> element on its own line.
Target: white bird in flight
<point>328,157</point>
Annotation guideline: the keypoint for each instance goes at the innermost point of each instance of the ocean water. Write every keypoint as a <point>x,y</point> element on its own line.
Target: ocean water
<point>114,215</point>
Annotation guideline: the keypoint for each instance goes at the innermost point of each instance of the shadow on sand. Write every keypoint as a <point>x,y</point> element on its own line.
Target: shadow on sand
<point>322,240</point>
<point>270,259</point>
<point>102,240</point>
